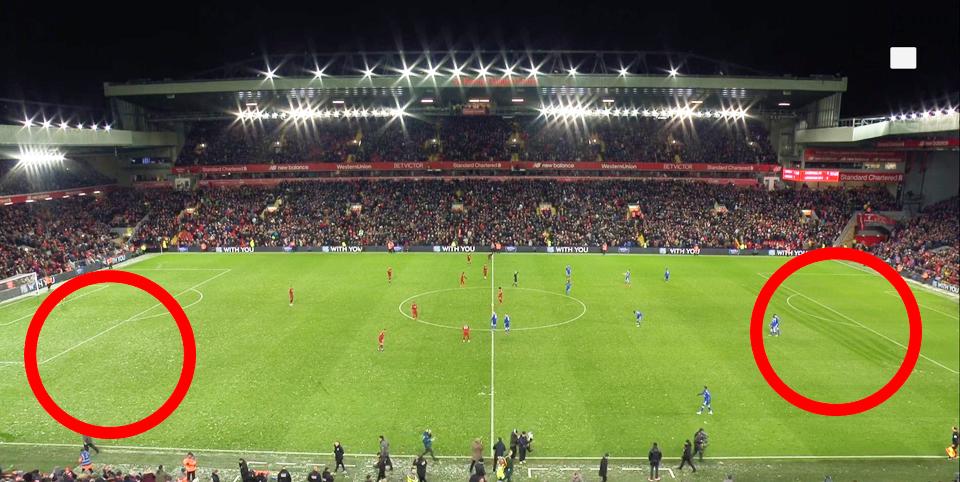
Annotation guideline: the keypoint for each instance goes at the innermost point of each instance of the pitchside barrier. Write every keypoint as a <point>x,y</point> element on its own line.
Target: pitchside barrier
<point>83,267</point>
<point>487,249</point>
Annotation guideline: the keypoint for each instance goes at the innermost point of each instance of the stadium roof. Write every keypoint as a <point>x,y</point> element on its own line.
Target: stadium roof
<point>526,80</point>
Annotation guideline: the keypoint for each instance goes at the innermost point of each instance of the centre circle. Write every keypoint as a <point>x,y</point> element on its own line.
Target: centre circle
<point>529,308</point>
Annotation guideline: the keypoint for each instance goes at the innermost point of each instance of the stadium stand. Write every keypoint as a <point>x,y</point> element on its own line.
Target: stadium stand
<point>57,236</point>
<point>477,139</point>
<point>928,245</point>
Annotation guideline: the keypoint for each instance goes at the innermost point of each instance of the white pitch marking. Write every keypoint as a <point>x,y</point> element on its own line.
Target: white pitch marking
<point>871,330</point>
<point>948,315</point>
<point>492,339</point>
<point>68,300</point>
<point>111,328</point>
<point>184,307</point>
<point>460,457</point>
<point>523,328</point>
<point>21,300</point>
<point>177,269</point>
<point>816,316</point>
<point>924,287</point>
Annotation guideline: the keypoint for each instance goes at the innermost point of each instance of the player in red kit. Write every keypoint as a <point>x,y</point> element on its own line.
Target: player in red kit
<point>484,271</point>
<point>500,295</point>
<point>463,279</point>
<point>380,337</point>
<point>291,296</point>
<point>389,274</point>
<point>414,312</point>
<point>466,334</point>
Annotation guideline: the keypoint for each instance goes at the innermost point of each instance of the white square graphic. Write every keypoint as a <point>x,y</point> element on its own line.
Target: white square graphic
<point>903,58</point>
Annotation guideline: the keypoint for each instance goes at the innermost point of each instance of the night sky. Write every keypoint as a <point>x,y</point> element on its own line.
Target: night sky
<point>62,53</point>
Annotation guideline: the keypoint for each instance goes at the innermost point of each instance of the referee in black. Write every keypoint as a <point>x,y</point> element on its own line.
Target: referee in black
<point>687,456</point>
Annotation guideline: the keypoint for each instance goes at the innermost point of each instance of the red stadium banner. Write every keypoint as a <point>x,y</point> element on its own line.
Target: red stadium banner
<point>820,175</point>
<point>850,155</point>
<point>920,144</point>
<point>473,165</point>
<point>273,181</point>
<point>51,195</point>
<point>874,218</point>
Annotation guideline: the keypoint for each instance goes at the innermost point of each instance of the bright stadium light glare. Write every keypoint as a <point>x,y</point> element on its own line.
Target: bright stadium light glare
<point>318,73</point>
<point>27,123</point>
<point>572,71</point>
<point>46,124</point>
<point>673,71</point>
<point>94,126</point>
<point>38,155</point>
<point>64,125</point>
<point>483,71</point>
<point>79,125</point>
<point>368,73</point>
<point>456,72</point>
<point>432,71</point>
<point>406,72</point>
<point>107,127</point>
<point>623,71</point>
<point>533,71</point>
<point>270,74</point>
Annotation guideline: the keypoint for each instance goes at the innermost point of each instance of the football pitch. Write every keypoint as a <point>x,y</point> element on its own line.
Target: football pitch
<point>574,369</point>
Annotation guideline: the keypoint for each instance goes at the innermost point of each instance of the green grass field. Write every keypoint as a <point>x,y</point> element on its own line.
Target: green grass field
<point>575,370</point>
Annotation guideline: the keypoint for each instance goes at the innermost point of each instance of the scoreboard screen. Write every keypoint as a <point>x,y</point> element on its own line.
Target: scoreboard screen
<point>810,175</point>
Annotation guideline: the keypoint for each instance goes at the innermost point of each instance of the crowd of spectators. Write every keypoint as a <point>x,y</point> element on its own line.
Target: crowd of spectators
<point>51,237</point>
<point>17,178</point>
<point>928,245</point>
<point>519,213</point>
<point>478,138</point>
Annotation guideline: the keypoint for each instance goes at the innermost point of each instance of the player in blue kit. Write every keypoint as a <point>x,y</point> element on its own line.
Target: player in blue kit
<point>639,317</point>
<point>775,326</point>
<point>493,321</point>
<point>569,271</point>
<point>666,274</point>
<point>506,323</point>
<point>707,398</point>
<point>568,286</point>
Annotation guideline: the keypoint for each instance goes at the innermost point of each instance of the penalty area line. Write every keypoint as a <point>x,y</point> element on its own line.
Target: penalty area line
<point>132,318</point>
<point>865,327</point>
